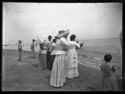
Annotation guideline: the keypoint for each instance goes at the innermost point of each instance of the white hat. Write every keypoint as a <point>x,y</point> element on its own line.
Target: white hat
<point>62,33</point>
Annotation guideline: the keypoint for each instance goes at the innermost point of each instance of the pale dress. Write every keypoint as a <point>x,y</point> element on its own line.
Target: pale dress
<point>33,45</point>
<point>59,69</point>
<point>72,60</point>
<point>42,59</point>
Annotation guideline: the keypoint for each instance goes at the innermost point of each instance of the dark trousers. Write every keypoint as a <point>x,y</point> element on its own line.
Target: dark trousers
<point>50,59</point>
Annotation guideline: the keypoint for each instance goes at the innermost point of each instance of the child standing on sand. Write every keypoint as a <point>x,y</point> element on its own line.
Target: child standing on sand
<point>109,80</point>
<point>20,50</point>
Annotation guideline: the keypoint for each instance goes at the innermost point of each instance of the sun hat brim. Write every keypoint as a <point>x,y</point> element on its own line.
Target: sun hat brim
<point>63,34</point>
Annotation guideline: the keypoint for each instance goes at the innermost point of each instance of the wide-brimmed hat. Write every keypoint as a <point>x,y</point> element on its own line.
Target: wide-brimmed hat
<point>62,33</point>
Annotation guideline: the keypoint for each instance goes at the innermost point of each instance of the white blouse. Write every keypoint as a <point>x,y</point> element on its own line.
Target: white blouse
<point>60,45</point>
<point>73,45</point>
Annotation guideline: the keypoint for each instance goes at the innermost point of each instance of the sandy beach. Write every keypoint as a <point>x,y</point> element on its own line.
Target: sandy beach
<point>26,75</point>
<point>98,26</point>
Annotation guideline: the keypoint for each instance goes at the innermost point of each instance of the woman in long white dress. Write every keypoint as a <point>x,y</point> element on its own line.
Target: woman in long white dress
<point>59,69</point>
<point>73,61</point>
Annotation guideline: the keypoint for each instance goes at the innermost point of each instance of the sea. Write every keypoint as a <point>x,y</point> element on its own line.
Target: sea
<point>100,45</point>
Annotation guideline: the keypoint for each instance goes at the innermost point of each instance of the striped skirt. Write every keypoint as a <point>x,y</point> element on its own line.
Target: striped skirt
<point>59,71</point>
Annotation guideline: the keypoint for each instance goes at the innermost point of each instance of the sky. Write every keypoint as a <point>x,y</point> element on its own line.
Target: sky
<point>87,21</point>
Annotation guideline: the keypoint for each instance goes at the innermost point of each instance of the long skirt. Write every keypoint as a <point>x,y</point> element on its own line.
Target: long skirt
<point>59,70</point>
<point>72,64</point>
<point>42,60</point>
<point>110,83</point>
<point>72,72</point>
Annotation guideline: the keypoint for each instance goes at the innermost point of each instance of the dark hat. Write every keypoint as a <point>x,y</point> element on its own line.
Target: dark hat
<point>33,40</point>
<point>19,41</point>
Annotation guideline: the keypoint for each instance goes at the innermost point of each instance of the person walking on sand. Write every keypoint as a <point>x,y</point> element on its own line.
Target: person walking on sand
<point>59,68</point>
<point>20,50</point>
<point>42,55</point>
<point>109,79</point>
<point>33,47</point>
<point>73,60</point>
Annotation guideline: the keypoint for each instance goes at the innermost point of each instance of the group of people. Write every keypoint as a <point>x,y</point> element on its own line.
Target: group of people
<point>60,56</point>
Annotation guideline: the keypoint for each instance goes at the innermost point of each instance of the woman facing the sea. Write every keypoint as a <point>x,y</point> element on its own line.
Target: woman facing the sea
<point>72,57</point>
<point>59,69</point>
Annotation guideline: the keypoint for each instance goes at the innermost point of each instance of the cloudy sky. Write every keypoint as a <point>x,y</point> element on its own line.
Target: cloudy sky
<point>87,20</point>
